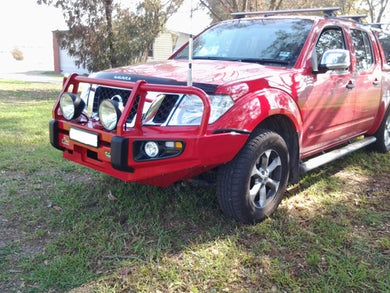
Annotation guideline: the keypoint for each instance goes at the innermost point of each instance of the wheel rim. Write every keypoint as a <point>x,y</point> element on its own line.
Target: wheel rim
<point>387,133</point>
<point>265,178</point>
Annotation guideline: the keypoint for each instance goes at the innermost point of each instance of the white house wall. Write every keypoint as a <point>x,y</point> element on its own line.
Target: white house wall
<point>162,47</point>
<point>68,65</point>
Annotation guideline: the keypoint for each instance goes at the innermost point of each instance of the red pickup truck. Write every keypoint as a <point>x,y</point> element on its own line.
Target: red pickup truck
<point>271,96</point>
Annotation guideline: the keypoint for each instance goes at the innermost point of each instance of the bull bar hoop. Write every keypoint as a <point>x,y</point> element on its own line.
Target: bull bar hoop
<point>138,88</point>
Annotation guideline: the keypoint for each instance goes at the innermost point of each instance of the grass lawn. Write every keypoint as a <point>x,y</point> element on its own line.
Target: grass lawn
<point>64,227</point>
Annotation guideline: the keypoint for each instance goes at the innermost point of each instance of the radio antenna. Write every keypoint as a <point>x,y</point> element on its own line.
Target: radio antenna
<point>190,49</point>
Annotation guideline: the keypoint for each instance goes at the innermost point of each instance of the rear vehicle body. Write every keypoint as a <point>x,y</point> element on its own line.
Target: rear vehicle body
<point>268,95</point>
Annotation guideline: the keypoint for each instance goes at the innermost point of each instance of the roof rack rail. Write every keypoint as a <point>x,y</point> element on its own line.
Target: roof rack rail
<point>327,11</point>
<point>358,17</point>
<point>379,24</point>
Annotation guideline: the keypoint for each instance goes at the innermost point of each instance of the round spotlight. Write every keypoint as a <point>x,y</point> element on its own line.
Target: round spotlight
<point>109,114</point>
<point>151,149</point>
<point>71,106</point>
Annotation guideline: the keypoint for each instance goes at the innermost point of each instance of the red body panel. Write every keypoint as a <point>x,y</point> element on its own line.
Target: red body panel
<point>323,109</point>
<point>203,150</point>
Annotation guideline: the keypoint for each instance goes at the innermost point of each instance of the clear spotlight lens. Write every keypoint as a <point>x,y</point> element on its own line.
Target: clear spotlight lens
<point>71,105</point>
<point>67,106</point>
<point>109,114</point>
<point>151,149</point>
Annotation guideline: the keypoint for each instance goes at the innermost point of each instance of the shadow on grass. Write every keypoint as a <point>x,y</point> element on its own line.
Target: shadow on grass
<point>109,233</point>
<point>28,96</point>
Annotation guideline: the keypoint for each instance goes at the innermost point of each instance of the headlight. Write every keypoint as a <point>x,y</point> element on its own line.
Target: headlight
<point>220,104</point>
<point>109,113</point>
<point>188,112</point>
<point>71,106</point>
<point>190,109</point>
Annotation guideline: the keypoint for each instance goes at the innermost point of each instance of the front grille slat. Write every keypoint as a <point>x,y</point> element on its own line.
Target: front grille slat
<point>133,110</point>
<point>165,108</point>
<point>162,115</point>
<point>102,93</point>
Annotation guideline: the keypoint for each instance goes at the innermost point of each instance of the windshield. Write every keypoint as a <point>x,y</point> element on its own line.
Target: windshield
<point>264,41</point>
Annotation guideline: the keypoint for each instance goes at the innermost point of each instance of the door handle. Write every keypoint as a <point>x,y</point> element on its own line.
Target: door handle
<point>376,82</point>
<point>350,85</point>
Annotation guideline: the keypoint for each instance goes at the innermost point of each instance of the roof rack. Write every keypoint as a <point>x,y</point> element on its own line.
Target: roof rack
<point>327,11</point>
<point>379,24</point>
<point>358,17</point>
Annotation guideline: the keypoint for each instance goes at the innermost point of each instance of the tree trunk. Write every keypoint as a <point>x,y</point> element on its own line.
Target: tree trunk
<point>382,10</point>
<point>110,34</point>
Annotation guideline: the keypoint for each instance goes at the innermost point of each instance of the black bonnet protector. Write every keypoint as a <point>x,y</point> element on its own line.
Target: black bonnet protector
<point>207,88</point>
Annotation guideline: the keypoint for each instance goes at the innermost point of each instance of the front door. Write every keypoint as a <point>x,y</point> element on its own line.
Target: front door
<point>327,103</point>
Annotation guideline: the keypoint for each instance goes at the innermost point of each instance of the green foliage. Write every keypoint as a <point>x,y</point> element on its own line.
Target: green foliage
<point>220,10</point>
<point>102,34</point>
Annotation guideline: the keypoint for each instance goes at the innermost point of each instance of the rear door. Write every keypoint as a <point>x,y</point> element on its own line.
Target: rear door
<point>368,79</point>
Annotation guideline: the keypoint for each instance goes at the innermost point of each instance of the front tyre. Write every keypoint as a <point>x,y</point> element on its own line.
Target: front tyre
<point>251,186</point>
<point>382,143</point>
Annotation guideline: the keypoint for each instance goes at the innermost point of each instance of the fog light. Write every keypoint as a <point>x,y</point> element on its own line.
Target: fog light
<point>151,149</point>
<point>71,106</point>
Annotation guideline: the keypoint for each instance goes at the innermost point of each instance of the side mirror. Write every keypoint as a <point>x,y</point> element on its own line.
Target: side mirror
<point>337,59</point>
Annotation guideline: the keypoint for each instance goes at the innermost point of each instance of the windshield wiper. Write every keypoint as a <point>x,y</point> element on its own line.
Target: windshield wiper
<point>263,61</point>
<point>212,58</point>
<point>249,60</point>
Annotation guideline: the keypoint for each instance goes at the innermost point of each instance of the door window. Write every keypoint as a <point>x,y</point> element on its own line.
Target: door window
<point>331,38</point>
<point>363,50</point>
<point>384,39</point>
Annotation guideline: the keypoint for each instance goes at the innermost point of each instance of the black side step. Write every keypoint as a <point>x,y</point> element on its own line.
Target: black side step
<point>335,154</point>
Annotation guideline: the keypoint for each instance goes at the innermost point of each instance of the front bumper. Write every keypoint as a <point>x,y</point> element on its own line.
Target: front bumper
<point>115,152</point>
<point>115,155</point>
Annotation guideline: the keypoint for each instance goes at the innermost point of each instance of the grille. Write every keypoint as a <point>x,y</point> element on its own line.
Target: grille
<point>102,93</point>
<point>161,116</point>
<point>165,109</point>
<point>133,110</point>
